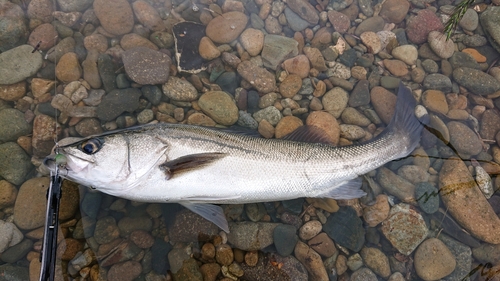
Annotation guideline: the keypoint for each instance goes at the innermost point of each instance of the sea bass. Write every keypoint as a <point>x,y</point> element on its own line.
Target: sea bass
<point>198,166</point>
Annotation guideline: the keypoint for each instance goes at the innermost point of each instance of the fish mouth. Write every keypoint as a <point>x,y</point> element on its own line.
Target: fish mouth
<point>50,162</point>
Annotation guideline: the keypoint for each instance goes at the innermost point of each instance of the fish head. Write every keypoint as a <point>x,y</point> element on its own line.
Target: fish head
<point>110,163</point>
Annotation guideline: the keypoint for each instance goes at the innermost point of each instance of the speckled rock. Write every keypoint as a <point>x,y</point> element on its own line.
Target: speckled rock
<point>465,202</point>
<point>226,27</point>
<point>311,260</point>
<point>15,164</point>
<point>404,228</point>
<point>68,68</point>
<point>406,53</point>
<point>148,16</point>
<point>179,89</point>
<point>384,103</point>
<point>146,66</point>
<point>290,86</point>
<point>250,236</point>
<point>115,16</point>
<point>41,9</point>
<point>252,40</point>
<point>463,139</point>
<point>378,212</point>
<point>12,125</point>
<point>476,81</point>
<point>339,21</point>
<point>433,260</point>
<point>421,25</point>
<point>442,47</point>
<point>118,101</point>
<point>377,261</point>
<point>18,64</point>
<point>335,101</point>
<point>261,79</point>
<point>14,26</point>
<point>30,203</point>
<point>394,11</point>
<point>346,229</point>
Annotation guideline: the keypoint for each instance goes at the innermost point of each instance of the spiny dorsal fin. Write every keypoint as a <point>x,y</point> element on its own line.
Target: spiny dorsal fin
<point>309,134</point>
<point>189,162</point>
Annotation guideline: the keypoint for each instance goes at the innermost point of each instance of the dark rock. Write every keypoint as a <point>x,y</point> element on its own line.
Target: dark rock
<point>122,82</point>
<point>15,164</point>
<point>13,125</point>
<point>190,227</point>
<point>348,58</point>
<point>461,59</point>
<point>10,272</point>
<point>159,253</point>
<point>427,197</point>
<point>190,271</point>
<point>285,238</point>
<point>360,95</point>
<point>346,229</point>
<point>264,270</point>
<point>152,93</point>
<point>91,204</point>
<point>13,25</point>
<point>146,66</point>
<point>294,205</point>
<point>17,252</point>
<point>228,81</point>
<point>476,81</point>
<point>123,252</point>
<point>437,81</point>
<point>107,72</point>
<point>117,102</point>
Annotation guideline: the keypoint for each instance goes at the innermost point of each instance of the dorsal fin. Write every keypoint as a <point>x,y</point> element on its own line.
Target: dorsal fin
<point>309,134</point>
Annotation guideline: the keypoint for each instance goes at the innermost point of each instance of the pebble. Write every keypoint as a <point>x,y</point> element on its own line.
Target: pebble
<point>470,20</point>
<point>346,229</point>
<point>128,225</point>
<point>252,40</point>
<point>371,41</point>
<point>377,261</point>
<point>271,114</point>
<point>311,260</point>
<point>310,229</point>
<point>15,164</point>
<point>363,274</point>
<point>304,10</point>
<point>295,22</point>
<point>8,194</point>
<point>287,125</point>
<point>290,86</point>
<point>463,139</point>
<point>384,103</point>
<point>335,101</point>
<point>207,49</point>
<point>466,203</point>
<point>394,11</point>
<point>74,5</point>
<point>435,100</point>
<point>433,260</point>
<point>14,30</point>
<point>488,19</point>
<point>106,230</point>
<point>30,203</point>
<point>260,78</point>
<point>132,40</point>
<point>179,89</point>
<point>421,25</point>
<point>41,10</point>
<point>440,45</point>
<point>285,239</point>
<point>374,24</point>
<point>18,64</point>
<point>10,235</point>
<point>322,244</point>
<point>351,132</point>
<point>250,236</point>
<point>490,124</point>
<point>396,67</point>
<point>339,21</point>
<point>224,254</point>
<point>115,16</point>
<point>405,228</point>
<point>219,106</point>
<point>462,255</point>
<point>275,50</point>
<point>148,16</point>
<point>13,125</point>
<point>360,95</point>
<point>226,27</point>
<point>43,34</point>
<point>189,227</point>
<point>378,212</point>
<point>298,65</point>
<point>68,68</point>
<point>117,102</point>
<point>487,253</point>
<point>146,66</point>
<point>126,271</point>
<point>476,81</point>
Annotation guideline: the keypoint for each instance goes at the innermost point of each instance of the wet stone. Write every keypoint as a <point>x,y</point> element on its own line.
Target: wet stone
<point>18,64</point>
<point>322,244</point>
<point>115,16</point>
<point>374,24</point>
<point>441,47</point>
<point>285,239</point>
<point>433,260</point>
<point>15,164</point>
<point>190,271</point>
<point>295,21</point>
<point>311,260</point>
<point>106,230</point>
<point>270,114</point>
<point>126,271</point>
<point>117,102</point>
<point>463,139</point>
<point>462,255</point>
<point>189,227</point>
<point>12,125</point>
<point>276,49</point>
<point>427,197</point>
<point>421,25</point>
<point>219,106</point>
<point>251,236</point>
<point>346,229</point>
<point>107,72</point>
<point>179,89</point>
<point>476,81</point>
<point>226,27</point>
<point>30,203</point>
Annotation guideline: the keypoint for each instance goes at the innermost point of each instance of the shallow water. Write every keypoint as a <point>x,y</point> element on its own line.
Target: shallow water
<point>73,68</point>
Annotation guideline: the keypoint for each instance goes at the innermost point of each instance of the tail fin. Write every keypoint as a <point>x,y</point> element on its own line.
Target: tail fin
<point>404,122</point>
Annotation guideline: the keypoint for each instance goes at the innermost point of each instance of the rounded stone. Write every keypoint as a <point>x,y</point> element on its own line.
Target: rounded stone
<point>463,139</point>
<point>8,194</point>
<point>290,86</point>
<point>435,100</point>
<point>115,16</point>
<point>226,27</point>
<point>326,122</point>
<point>378,212</point>
<point>29,209</point>
<point>440,45</point>
<point>384,103</point>
<point>335,101</point>
<point>377,261</point>
<point>406,53</point>
<point>285,239</point>
<point>310,229</point>
<point>371,41</point>
<point>224,254</point>
<point>148,15</point>
<point>207,49</point>
<point>298,65</point>
<point>13,24</point>
<point>252,40</point>
<point>45,34</point>
<point>394,11</point>
<point>18,64</point>
<point>146,66</point>
<point>219,106</point>
<point>287,125</point>
<point>433,260</point>
<point>426,195</point>
<point>68,68</point>
<point>179,89</point>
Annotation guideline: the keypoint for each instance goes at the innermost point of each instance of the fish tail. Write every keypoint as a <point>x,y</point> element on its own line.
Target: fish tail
<point>404,123</point>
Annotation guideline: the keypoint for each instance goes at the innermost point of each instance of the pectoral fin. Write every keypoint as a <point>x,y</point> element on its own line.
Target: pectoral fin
<point>345,190</point>
<point>213,213</point>
<point>189,162</point>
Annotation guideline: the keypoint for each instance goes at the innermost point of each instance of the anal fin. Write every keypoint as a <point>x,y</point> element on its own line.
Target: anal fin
<point>189,162</point>
<point>210,212</point>
<point>345,190</point>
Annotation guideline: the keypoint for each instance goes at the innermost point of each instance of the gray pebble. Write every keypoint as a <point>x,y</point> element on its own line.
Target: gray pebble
<point>427,197</point>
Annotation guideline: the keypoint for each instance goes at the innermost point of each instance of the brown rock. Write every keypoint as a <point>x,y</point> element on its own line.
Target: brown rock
<point>44,134</point>
<point>384,103</point>
<point>226,27</point>
<point>148,16</point>
<point>298,65</point>
<point>396,67</point>
<point>316,58</point>
<point>209,271</point>
<point>219,106</point>
<point>433,260</point>
<point>377,261</point>
<point>142,239</point>
<point>29,209</point>
<point>466,203</point>
<point>286,125</point>
<point>311,260</point>
<point>463,139</point>
<point>41,10</point>
<point>97,42</point>
<point>40,86</point>
<point>339,21</point>
<point>290,86</point>
<point>207,49</point>
<point>68,68</point>
<point>132,40</point>
<point>126,271</point>
<point>68,248</point>
<point>13,92</point>
<point>90,70</point>
<point>371,41</point>
<point>396,185</point>
<point>327,204</point>
<point>259,77</point>
<point>8,194</point>
<point>45,34</point>
<point>378,212</point>
<point>394,11</point>
<point>266,129</point>
<point>115,16</point>
<point>252,40</point>
<point>490,124</point>
<point>146,66</point>
<point>69,200</point>
<point>322,244</point>
<point>326,122</point>
<point>200,119</point>
<point>224,254</point>
<point>435,100</point>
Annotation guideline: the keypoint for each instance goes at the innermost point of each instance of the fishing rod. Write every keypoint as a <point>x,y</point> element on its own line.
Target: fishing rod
<point>49,247</point>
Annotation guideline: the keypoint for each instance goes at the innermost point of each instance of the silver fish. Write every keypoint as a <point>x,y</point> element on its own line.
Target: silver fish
<point>198,166</point>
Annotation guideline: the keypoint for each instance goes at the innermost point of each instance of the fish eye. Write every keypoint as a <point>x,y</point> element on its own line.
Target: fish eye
<point>90,146</point>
